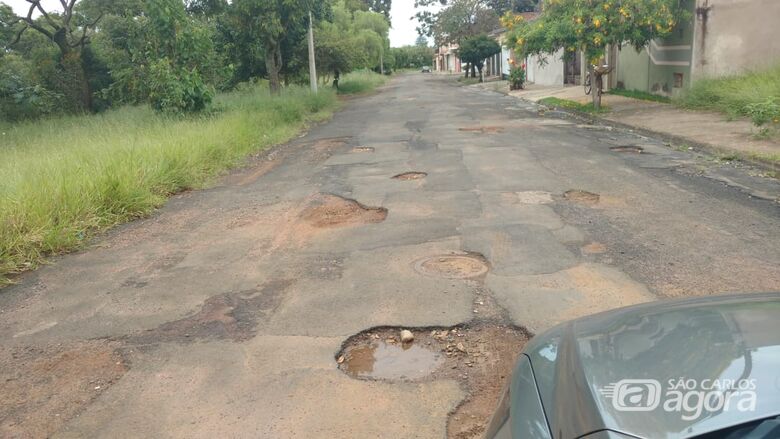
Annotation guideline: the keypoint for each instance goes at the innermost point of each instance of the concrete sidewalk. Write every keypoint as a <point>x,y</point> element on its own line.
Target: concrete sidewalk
<point>708,130</point>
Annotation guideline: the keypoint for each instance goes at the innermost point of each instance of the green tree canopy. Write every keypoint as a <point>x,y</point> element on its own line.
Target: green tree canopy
<point>592,25</point>
<point>474,50</point>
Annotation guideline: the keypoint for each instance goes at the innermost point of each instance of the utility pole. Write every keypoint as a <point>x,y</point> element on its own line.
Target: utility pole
<point>312,61</point>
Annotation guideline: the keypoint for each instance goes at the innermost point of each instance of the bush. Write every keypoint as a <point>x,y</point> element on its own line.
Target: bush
<point>732,94</point>
<point>516,78</point>
<point>20,97</point>
<point>762,114</point>
<point>176,90</point>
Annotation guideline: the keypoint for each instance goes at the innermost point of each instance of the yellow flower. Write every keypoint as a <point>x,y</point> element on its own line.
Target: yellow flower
<point>596,22</point>
<point>579,20</point>
<point>776,120</point>
<point>606,6</point>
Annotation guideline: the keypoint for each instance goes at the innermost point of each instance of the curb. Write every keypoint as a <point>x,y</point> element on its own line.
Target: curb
<point>707,148</point>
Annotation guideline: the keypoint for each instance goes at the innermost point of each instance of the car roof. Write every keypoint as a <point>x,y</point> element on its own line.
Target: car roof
<point>718,338</point>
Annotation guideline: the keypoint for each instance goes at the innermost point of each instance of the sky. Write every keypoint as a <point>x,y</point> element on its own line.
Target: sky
<point>402,33</point>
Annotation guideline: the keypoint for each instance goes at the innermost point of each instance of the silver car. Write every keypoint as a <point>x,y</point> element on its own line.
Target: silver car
<point>705,368</point>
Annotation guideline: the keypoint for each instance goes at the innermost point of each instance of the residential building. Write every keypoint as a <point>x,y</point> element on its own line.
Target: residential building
<point>446,59</point>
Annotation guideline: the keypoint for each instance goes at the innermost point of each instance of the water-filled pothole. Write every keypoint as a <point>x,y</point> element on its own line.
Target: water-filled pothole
<point>479,356</point>
<point>580,196</point>
<point>389,360</point>
<point>627,148</point>
<point>414,175</point>
<point>363,149</point>
<point>333,211</point>
<point>454,266</point>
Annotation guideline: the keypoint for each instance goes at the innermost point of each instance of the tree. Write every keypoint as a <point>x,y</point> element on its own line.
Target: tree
<point>379,6</point>
<point>273,22</point>
<point>421,41</point>
<point>593,25</point>
<point>503,6</point>
<point>69,31</point>
<point>458,20</point>
<point>474,50</point>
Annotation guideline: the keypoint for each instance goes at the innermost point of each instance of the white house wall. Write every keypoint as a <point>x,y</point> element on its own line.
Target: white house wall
<point>549,72</point>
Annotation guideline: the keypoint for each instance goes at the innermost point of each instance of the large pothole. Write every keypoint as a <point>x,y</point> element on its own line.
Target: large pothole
<point>452,266</point>
<point>333,211</point>
<point>480,356</point>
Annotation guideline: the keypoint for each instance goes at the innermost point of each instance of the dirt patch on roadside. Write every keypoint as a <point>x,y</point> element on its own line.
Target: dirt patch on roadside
<point>582,197</point>
<point>479,356</point>
<point>483,130</point>
<point>328,211</point>
<point>41,388</point>
<point>414,175</point>
<point>230,316</point>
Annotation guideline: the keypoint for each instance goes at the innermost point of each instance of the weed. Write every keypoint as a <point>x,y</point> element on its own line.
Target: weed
<point>636,94</point>
<point>572,105</point>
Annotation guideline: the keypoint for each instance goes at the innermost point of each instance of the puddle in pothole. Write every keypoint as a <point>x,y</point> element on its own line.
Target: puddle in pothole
<point>389,361</point>
<point>414,175</point>
<point>452,266</point>
<point>627,148</point>
<point>480,356</point>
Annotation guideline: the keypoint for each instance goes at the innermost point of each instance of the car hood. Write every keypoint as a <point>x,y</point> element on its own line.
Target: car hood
<point>681,356</point>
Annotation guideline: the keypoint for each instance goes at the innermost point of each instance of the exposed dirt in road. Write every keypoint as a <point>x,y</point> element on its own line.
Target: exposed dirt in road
<point>582,197</point>
<point>363,149</point>
<point>333,211</point>
<point>594,248</point>
<point>41,388</point>
<point>480,356</point>
<point>627,148</point>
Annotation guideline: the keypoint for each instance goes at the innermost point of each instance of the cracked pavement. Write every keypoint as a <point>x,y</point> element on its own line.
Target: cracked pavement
<point>220,315</point>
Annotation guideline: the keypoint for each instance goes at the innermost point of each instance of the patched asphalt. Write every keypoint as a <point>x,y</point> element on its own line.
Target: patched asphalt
<point>228,306</point>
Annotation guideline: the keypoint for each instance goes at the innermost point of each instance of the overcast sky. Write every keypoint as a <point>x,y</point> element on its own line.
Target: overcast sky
<point>402,33</point>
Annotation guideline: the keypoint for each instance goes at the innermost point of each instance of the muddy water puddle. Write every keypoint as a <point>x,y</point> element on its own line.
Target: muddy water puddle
<point>480,356</point>
<point>390,361</point>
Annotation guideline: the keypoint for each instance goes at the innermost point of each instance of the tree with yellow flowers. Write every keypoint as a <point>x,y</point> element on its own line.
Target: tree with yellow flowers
<point>591,26</point>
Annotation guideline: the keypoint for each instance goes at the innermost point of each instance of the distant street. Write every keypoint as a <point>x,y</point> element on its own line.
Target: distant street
<point>271,304</point>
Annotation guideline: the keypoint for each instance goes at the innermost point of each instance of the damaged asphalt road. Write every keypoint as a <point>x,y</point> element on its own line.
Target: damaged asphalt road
<point>464,215</point>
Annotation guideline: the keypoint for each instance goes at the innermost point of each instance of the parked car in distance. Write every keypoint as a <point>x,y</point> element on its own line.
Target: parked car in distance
<point>426,69</point>
<point>702,368</point>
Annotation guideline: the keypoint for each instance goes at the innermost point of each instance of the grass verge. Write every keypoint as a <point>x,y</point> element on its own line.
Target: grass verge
<point>572,105</point>
<point>636,94</point>
<point>362,81</point>
<point>64,179</point>
<point>732,94</point>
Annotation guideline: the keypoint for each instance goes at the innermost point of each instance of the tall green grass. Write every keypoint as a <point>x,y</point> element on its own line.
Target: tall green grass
<point>64,179</point>
<point>362,81</point>
<point>732,94</point>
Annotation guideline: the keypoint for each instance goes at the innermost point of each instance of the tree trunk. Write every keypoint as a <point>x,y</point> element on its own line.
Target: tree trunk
<point>74,78</point>
<point>467,71</point>
<point>473,71</point>
<point>273,64</point>
<point>598,81</point>
<point>479,67</point>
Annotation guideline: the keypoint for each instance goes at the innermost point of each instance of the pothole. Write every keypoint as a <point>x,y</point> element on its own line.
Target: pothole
<point>330,143</point>
<point>483,130</point>
<point>452,266</point>
<point>363,149</point>
<point>479,356</point>
<point>334,211</point>
<point>627,148</point>
<point>414,175</point>
<point>580,196</point>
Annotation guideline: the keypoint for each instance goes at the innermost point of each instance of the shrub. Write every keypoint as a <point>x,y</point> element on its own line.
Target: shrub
<point>516,78</point>
<point>763,114</point>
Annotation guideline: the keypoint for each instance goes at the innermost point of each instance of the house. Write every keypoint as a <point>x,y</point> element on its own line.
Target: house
<point>446,59</point>
<point>722,37</point>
